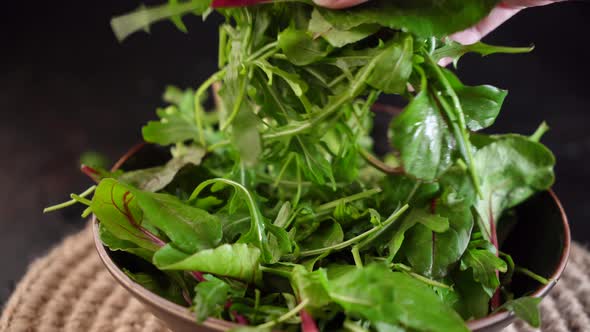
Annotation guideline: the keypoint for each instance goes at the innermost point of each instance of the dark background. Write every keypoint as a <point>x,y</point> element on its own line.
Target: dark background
<point>67,86</point>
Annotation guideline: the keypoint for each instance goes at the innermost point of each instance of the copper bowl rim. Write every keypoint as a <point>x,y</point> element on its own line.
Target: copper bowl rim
<point>220,325</point>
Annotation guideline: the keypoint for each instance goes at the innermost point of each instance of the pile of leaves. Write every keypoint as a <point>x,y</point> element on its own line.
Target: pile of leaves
<point>273,211</point>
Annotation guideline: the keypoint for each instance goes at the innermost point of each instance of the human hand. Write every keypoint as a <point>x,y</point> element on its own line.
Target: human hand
<point>505,10</point>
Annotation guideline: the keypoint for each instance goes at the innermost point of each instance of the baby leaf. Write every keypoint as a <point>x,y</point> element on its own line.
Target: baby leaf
<point>175,125</point>
<point>393,66</point>
<point>210,298</point>
<point>384,297</point>
<point>525,308</point>
<point>157,178</point>
<point>190,229</point>
<point>511,169</point>
<point>431,253</point>
<point>300,47</point>
<point>423,138</point>
<point>310,286</point>
<point>481,104</point>
<point>484,265</point>
<point>329,233</point>
<point>336,37</point>
<point>423,18</point>
<point>118,211</point>
<point>239,261</point>
<point>455,50</point>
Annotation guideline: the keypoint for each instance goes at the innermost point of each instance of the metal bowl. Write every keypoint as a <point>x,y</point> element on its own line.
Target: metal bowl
<point>539,241</point>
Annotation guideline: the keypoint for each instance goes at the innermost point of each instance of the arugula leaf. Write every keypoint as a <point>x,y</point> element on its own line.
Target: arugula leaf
<point>310,286</point>
<point>239,261</point>
<point>143,17</point>
<point>455,51</point>
<point>384,297</point>
<point>177,123</point>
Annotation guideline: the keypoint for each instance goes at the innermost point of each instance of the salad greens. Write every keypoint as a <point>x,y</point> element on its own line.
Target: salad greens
<point>273,211</point>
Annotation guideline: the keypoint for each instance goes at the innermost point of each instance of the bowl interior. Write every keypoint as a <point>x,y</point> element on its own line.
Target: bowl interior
<point>538,241</point>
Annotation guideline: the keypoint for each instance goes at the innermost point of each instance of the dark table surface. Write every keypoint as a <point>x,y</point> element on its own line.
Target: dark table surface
<point>66,86</point>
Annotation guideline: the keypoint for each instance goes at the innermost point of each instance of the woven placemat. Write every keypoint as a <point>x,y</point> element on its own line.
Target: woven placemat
<point>69,290</point>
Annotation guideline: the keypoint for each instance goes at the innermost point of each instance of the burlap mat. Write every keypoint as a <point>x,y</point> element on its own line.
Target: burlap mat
<point>69,290</point>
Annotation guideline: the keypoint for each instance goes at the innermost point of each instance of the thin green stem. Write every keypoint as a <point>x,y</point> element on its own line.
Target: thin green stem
<point>536,136</point>
<point>278,272</point>
<point>386,224</point>
<point>353,240</point>
<point>408,270</point>
<point>353,327</point>
<point>81,200</point>
<point>459,115</point>
<point>288,315</point>
<point>356,255</point>
<point>531,275</point>
<point>362,195</point>
<point>70,202</point>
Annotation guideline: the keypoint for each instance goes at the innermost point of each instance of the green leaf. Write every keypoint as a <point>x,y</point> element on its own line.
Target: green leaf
<point>115,244</point>
<point>310,286</point>
<point>329,233</point>
<point>210,298</point>
<point>312,160</point>
<point>118,211</point>
<point>511,169</point>
<point>336,37</point>
<point>384,297</point>
<point>393,66</point>
<point>423,138</point>
<point>167,255</point>
<point>432,252</point>
<point>525,308</point>
<point>424,18</point>
<point>177,123</point>
<point>472,301</point>
<point>455,50</point>
<point>159,284</point>
<point>239,261</point>
<point>143,17</point>
<point>481,104</point>
<point>157,178</point>
<point>300,48</point>
<point>190,229</point>
<point>484,265</point>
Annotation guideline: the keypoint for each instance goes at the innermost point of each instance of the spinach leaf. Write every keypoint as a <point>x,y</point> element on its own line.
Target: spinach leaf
<point>525,308</point>
<point>210,298</point>
<point>392,67</point>
<point>423,138</point>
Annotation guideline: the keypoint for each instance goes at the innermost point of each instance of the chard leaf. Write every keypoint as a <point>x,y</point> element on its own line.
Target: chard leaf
<point>525,308</point>
<point>239,261</point>
<point>118,211</point>
<point>512,169</point>
<point>423,18</point>
<point>210,298</point>
<point>384,297</point>
<point>157,178</point>
<point>143,17</point>
<point>393,66</point>
<point>431,252</point>
<point>423,138</point>
<point>300,48</point>
<point>336,37</point>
